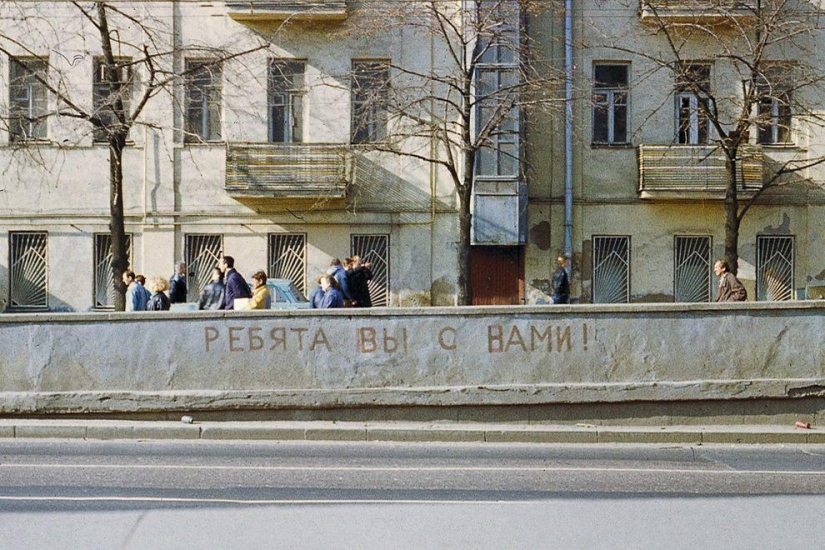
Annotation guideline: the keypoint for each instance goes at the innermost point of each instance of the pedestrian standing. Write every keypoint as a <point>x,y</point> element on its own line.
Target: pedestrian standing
<point>177,284</point>
<point>159,301</point>
<point>236,287</point>
<point>213,294</point>
<point>333,297</point>
<point>261,297</point>
<point>561,281</point>
<point>136,299</point>
<point>730,288</point>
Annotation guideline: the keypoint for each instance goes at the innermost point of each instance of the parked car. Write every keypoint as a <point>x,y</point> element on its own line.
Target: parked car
<point>285,295</point>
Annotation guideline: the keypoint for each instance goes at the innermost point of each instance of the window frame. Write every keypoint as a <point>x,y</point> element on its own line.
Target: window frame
<point>209,103</point>
<point>610,106</point>
<point>369,113</point>
<point>102,90</point>
<point>697,120</point>
<point>35,97</point>
<point>291,127</point>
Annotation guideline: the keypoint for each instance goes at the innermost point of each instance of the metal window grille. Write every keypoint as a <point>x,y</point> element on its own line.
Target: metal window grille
<point>104,284</point>
<point>611,270</point>
<point>376,250</point>
<point>202,253</point>
<point>691,269</point>
<point>288,258</point>
<point>774,275</point>
<point>28,270</point>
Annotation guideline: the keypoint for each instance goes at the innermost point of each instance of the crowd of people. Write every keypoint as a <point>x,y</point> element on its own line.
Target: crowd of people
<point>345,284</point>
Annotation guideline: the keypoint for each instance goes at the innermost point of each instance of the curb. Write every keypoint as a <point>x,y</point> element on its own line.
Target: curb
<point>405,432</point>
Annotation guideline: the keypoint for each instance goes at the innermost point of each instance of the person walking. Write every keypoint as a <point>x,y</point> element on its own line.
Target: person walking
<point>340,273</point>
<point>213,294</point>
<point>317,295</point>
<point>236,287</point>
<point>333,297</point>
<point>177,284</point>
<point>730,288</point>
<point>261,297</point>
<point>159,301</point>
<point>561,281</point>
<point>136,295</point>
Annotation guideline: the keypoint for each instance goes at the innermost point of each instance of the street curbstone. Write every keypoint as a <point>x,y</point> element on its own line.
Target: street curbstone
<point>541,436</point>
<point>763,438</point>
<point>50,431</point>
<point>335,434</point>
<point>253,433</point>
<point>6,431</point>
<point>143,432</point>
<point>425,435</point>
<point>649,436</point>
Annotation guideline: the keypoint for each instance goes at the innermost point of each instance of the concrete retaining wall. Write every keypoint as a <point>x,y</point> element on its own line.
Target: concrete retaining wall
<point>100,363</point>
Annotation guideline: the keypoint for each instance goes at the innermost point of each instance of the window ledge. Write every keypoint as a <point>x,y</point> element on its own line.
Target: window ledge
<point>611,146</point>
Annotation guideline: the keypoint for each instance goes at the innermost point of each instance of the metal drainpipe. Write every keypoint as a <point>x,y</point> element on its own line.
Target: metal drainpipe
<point>568,127</point>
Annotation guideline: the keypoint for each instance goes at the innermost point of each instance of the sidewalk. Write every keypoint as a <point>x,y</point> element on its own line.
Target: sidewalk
<point>407,431</point>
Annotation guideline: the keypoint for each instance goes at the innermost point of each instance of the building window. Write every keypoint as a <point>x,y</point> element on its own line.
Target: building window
<point>286,97</point>
<point>611,270</point>
<point>692,90</point>
<point>774,268</point>
<point>201,254</point>
<point>375,249</point>
<point>28,270</point>
<point>691,269</point>
<point>370,95</point>
<point>288,258</point>
<point>104,284</point>
<point>610,95</point>
<point>28,99</point>
<point>203,101</point>
<point>773,112</point>
<point>112,83</point>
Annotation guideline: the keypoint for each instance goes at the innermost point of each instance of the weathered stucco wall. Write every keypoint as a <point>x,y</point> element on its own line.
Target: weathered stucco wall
<point>431,357</point>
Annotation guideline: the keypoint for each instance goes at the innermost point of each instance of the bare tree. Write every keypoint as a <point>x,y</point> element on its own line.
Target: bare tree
<point>768,79</point>
<point>463,111</point>
<point>137,62</point>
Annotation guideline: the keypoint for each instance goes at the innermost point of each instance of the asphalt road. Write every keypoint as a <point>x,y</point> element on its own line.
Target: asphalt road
<point>96,494</point>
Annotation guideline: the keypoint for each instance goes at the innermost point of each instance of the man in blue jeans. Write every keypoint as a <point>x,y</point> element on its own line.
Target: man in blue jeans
<point>236,286</point>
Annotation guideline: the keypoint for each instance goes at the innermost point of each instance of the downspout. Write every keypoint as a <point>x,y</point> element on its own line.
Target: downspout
<point>568,127</point>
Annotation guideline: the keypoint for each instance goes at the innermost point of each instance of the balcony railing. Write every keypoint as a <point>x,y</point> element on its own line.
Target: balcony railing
<point>696,11</point>
<point>685,171</point>
<point>294,10</point>
<point>287,170</point>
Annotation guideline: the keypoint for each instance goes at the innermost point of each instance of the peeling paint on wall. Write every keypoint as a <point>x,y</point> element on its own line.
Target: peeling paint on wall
<point>540,235</point>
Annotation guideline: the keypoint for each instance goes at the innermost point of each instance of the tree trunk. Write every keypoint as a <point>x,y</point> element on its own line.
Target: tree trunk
<point>732,213</point>
<point>117,229</point>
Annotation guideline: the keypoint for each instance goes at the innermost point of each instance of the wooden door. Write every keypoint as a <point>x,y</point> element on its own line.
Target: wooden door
<point>497,275</point>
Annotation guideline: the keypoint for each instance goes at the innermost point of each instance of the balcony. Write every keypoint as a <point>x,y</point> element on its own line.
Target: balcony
<point>705,12</point>
<point>287,170</point>
<point>694,171</point>
<point>293,10</point>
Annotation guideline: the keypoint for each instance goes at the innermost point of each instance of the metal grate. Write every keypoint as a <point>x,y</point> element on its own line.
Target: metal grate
<point>104,285</point>
<point>202,253</point>
<point>28,270</point>
<point>376,250</point>
<point>611,270</point>
<point>691,269</point>
<point>288,258</point>
<point>774,275</point>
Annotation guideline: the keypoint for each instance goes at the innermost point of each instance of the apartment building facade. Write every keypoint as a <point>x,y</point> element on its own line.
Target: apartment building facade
<point>658,88</point>
<point>266,153</point>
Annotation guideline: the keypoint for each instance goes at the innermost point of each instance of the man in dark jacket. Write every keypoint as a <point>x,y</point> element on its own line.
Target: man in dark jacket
<point>236,287</point>
<point>561,282</point>
<point>358,283</point>
<point>177,285</point>
<point>213,295</point>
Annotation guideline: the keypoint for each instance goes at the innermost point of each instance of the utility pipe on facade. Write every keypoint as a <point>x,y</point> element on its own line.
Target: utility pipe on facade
<point>568,127</point>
